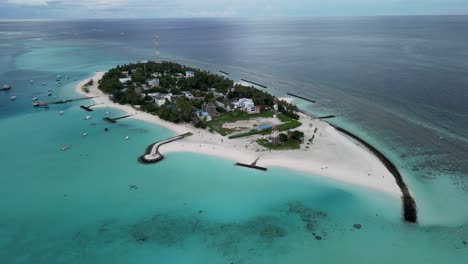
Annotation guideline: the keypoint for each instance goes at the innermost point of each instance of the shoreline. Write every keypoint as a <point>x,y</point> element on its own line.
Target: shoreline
<point>332,155</point>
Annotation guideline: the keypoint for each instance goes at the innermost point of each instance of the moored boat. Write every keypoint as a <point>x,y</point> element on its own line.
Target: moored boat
<point>13,98</point>
<point>88,117</point>
<point>5,87</point>
<point>62,148</point>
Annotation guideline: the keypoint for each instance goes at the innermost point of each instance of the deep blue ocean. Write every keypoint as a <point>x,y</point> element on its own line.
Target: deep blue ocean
<point>401,83</point>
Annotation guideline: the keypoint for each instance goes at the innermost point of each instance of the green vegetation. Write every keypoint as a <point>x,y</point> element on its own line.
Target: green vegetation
<point>291,140</point>
<point>164,90</point>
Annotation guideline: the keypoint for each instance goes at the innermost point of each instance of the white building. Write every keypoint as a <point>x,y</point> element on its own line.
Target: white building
<point>247,105</point>
<point>189,74</point>
<point>188,95</point>
<point>159,98</point>
<point>124,80</point>
<point>153,82</point>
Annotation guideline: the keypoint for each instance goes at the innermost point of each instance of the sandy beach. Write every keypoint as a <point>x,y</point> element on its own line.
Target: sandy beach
<point>332,153</point>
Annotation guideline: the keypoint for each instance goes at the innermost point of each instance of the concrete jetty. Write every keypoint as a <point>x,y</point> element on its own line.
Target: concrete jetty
<point>253,165</point>
<point>63,101</point>
<point>88,108</point>
<point>114,120</point>
<point>152,154</point>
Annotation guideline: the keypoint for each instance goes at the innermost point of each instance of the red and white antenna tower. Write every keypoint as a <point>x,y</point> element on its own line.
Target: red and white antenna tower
<point>156,43</point>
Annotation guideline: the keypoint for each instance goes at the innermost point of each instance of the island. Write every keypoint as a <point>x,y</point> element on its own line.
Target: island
<point>230,120</point>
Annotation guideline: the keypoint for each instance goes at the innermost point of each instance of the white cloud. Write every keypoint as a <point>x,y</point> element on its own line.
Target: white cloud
<point>28,2</point>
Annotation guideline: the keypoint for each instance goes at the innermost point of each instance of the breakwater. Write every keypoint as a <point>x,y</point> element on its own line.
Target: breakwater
<point>254,83</point>
<point>301,97</point>
<point>408,203</point>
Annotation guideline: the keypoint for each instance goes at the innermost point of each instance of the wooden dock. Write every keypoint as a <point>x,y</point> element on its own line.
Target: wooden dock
<point>253,165</point>
<point>302,97</point>
<point>114,120</point>
<point>152,154</point>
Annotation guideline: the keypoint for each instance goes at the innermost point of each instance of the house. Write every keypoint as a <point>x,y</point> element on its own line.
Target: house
<point>153,82</point>
<point>247,105</point>
<point>253,110</point>
<point>126,73</point>
<point>156,74</point>
<point>125,80</point>
<point>203,115</point>
<point>159,98</point>
<point>210,108</point>
<point>137,107</point>
<point>188,95</point>
<point>219,104</point>
<point>145,87</point>
<point>189,74</point>
<point>180,76</point>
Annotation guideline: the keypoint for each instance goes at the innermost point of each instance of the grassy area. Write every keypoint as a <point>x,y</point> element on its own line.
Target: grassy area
<point>251,133</point>
<point>289,125</point>
<point>291,144</point>
<point>217,123</point>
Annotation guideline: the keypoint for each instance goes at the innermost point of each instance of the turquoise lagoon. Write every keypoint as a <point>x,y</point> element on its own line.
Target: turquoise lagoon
<point>78,206</point>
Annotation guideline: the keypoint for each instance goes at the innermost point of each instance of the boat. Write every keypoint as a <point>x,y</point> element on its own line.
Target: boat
<point>34,99</point>
<point>59,76</point>
<point>88,117</point>
<point>61,112</point>
<point>49,94</point>
<point>68,77</point>
<point>126,138</point>
<point>44,83</point>
<point>13,98</point>
<point>64,147</point>
<point>5,87</point>
<point>49,90</point>
<point>107,113</point>
<point>85,134</point>
<point>31,81</point>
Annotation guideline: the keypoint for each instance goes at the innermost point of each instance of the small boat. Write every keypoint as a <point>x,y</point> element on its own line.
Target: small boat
<point>34,99</point>
<point>59,76</point>
<point>68,77</point>
<point>123,33</point>
<point>49,94</point>
<point>85,134</point>
<point>64,147</point>
<point>88,117</point>
<point>49,90</point>
<point>13,98</point>
<point>61,112</point>
<point>5,87</point>
<point>126,138</point>
<point>31,81</point>
<point>44,83</point>
<point>107,113</point>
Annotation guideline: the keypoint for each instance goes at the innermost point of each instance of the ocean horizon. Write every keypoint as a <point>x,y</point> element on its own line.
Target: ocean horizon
<point>397,82</point>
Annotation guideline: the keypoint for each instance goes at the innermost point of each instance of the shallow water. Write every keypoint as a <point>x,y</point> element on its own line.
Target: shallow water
<point>78,206</point>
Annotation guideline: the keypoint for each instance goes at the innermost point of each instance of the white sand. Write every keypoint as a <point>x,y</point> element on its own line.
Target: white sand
<point>332,154</point>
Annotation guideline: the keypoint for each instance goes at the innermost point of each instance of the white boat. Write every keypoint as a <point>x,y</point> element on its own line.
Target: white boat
<point>88,117</point>
<point>34,99</point>
<point>61,112</point>
<point>59,76</point>
<point>107,113</point>
<point>126,138</point>
<point>13,98</point>
<point>31,81</point>
<point>85,134</point>
<point>49,90</point>
<point>5,87</point>
<point>64,147</point>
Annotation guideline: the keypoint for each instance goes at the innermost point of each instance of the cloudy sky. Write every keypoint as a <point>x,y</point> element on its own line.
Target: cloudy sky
<point>60,9</point>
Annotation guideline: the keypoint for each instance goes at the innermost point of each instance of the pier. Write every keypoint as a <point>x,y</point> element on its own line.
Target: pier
<point>254,83</point>
<point>408,203</point>
<point>88,108</point>
<point>253,165</point>
<point>114,120</point>
<point>63,101</point>
<point>302,97</point>
<point>152,154</point>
